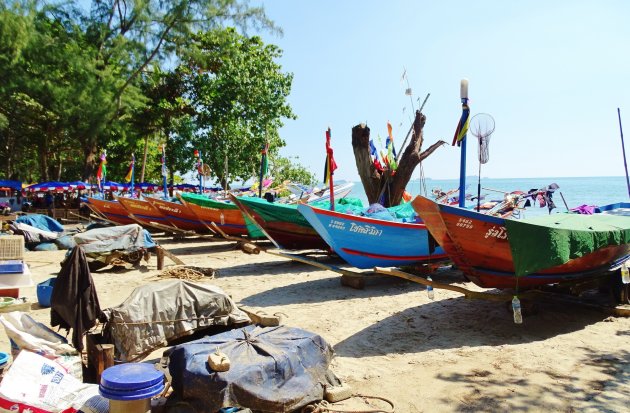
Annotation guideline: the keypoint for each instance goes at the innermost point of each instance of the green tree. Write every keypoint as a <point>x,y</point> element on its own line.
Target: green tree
<point>239,94</point>
<point>288,169</point>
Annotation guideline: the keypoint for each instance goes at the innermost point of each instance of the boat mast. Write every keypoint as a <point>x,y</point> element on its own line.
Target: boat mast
<point>623,148</point>
<point>463,94</point>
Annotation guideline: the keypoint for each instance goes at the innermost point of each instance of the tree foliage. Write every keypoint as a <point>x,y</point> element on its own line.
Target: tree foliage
<point>130,75</point>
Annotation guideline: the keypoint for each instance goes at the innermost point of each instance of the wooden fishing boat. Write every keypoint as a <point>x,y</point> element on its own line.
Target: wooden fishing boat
<point>281,223</point>
<point>178,215</point>
<point>366,242</point>
<point>111,210</point>
<point>495,252</point>
<point>225,215</point>
<point>142,211</point>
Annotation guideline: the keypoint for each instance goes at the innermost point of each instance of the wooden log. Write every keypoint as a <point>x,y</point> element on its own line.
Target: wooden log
<point>356,281</point>
<point>160,258</point>
<point>171,256</point>
<point>104,359</point>
<point>249,248</point>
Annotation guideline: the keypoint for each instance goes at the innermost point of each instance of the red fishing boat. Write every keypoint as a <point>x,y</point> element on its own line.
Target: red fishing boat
<point>110,210</point>
<point>495,252</point>
<point>178,215</point>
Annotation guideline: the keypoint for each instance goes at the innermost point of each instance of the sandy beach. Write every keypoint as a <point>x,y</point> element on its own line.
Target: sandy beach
<point>390,340</point>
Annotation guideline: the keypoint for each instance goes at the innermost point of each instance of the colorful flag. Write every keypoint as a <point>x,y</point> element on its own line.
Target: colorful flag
<point>164,173</point>
<point>374,153</point>
<point>129,175</point>
<point>390,140</point>
<point>264,161</point>
<point>462,126</point>
<point>101,173</point>
<point>331,165</point>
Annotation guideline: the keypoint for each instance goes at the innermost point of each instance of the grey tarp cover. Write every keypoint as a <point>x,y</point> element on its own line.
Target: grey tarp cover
<point>166,310</point>
<point>102,240</point>
<point>272,369</point>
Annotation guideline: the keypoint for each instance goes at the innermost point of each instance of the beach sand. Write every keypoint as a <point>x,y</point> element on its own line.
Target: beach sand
<point>390,340</point>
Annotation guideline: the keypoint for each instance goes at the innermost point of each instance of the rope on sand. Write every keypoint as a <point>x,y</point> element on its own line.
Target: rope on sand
<point>188,273</point>
<point>324,406</point>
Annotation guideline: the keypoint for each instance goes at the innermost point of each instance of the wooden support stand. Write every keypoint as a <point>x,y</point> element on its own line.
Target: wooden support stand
<point>100,357</point>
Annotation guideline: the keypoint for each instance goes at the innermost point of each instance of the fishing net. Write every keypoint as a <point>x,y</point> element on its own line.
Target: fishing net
<point>482,126</point>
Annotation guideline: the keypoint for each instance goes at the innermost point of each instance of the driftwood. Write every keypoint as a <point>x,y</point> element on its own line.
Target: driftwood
<point>376,183</point>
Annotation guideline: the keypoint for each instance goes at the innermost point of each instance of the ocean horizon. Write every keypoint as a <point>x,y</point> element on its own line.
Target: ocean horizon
<point>575,191</point>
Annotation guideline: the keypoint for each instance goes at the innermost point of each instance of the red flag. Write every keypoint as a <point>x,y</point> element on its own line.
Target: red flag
<point>331,165</point>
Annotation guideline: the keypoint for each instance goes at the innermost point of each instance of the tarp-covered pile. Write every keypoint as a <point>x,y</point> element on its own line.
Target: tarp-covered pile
<point>167,310</point>
<point>273,369</point>
<point>129,238</point>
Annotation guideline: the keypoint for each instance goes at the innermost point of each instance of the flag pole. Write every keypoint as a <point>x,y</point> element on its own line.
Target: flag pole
<point>200,170</point>
<point>133,170</point>
<point>623,148</point>
<point>164,171</point>
<point>329,160</point>
<point>463,93</point>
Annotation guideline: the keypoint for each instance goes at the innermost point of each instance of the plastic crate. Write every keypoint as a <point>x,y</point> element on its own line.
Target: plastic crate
<point>11,247</point>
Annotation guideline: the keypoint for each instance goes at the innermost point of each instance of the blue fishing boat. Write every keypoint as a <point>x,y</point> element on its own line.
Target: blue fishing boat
<point>366,242</point>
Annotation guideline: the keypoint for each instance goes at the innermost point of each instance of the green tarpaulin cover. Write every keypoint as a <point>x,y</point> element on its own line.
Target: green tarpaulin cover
<point>551,240</point>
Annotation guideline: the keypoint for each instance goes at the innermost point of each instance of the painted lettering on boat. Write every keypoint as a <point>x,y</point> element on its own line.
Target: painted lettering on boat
<point>139,206</point>
<point>465,223</point>
<point>365,229</point>
<point>500,233</point>
<point>168,208</point>
<point>340,225</point>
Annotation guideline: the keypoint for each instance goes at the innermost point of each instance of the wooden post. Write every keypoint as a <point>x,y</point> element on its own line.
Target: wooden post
<point>104,359</point>
<point>160,258</point>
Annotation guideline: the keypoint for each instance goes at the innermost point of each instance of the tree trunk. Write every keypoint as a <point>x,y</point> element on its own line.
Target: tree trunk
<point>43,159</point>
<point>90,156</point>
<point>388,186</point>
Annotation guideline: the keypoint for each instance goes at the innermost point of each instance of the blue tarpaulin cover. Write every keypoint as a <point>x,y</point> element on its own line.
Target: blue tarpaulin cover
<point>41,222</point>
<point>272,369</point>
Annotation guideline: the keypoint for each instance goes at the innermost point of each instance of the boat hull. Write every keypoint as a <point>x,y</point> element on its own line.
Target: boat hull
<point>478,244</point>
<point>230,221</point>
<point>366,242</point>
<point>143,212</point>
<point>289,231</point>
<point>112,210</point>
<point>178,215</point>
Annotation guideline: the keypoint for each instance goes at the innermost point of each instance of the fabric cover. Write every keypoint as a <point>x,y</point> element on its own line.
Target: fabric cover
<point>273,369</point>
<point>551,240</point>
<point>39,221</point>
<point>167,310</point>
<point>123,237</point>
<point>74,303</point>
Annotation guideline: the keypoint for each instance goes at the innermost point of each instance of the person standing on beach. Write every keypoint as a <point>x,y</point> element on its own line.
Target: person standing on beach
<point>50,203</point>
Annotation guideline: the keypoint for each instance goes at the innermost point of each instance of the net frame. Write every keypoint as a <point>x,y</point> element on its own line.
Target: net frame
<point>482,126</point>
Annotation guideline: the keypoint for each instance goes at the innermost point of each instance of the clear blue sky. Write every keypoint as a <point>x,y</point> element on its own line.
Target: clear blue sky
<point>551,73</point>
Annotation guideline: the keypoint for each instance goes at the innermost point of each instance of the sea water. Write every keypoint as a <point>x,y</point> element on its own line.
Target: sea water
<point>572,192</point>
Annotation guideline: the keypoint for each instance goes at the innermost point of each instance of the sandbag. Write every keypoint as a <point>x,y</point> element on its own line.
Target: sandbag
<point>46,246</point>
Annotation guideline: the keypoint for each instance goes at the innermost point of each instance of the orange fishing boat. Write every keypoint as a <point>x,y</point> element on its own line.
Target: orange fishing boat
<point>111,210</point>
<point>142,211</point>
<point>178,214</point>
<point>226,216</point>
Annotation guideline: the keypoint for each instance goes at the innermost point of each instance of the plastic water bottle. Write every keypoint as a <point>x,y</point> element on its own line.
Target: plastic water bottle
<point>430,291</point>
<point>625,273</point>
<point>516,307</point>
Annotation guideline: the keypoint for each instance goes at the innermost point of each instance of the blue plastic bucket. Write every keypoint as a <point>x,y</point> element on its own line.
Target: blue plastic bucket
<point>131,381</point>
<point>4,359</point>
<point>44,292</point>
